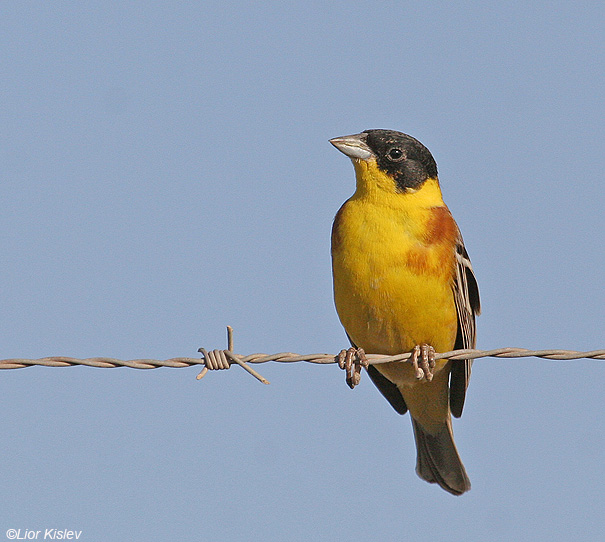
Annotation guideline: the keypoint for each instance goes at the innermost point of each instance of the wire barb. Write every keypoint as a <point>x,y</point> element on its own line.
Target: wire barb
<point>219,359</point>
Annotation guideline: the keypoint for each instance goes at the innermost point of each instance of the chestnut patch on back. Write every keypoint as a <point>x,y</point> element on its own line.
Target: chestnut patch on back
<point>441,226</point>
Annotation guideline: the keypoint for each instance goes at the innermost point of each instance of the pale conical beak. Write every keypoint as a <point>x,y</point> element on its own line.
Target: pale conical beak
<point>354,146</point>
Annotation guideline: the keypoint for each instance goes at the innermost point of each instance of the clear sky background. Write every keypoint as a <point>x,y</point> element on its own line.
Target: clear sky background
<point>165,171</point>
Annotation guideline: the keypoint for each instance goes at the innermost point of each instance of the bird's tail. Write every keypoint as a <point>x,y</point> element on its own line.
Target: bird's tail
<point>438,461</point>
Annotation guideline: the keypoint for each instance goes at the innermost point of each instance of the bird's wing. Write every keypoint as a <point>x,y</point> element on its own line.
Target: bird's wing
<point>466,297</point>
<point>389,390</point>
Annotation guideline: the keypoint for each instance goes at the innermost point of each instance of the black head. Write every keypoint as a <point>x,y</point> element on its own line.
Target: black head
<point>401,156</point>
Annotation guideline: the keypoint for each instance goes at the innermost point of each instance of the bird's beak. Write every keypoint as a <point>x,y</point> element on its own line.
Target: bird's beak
<point>354,146</point>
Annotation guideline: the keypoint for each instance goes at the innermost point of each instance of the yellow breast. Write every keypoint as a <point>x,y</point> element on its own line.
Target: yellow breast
<point>393,266</point>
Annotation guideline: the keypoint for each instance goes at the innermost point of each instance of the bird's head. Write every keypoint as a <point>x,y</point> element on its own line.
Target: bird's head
<point>397,156</point>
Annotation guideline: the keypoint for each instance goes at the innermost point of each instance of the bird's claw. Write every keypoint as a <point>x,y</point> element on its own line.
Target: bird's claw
<point>352,360</point>
<point>423,361</point>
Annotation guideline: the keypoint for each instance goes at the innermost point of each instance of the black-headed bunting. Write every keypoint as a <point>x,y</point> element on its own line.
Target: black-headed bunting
<point>403,282</point>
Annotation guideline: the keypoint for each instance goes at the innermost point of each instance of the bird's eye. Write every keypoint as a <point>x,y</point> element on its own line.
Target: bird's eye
<point>395,154</point>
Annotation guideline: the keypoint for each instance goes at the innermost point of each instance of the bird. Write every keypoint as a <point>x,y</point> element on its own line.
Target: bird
<point>403,282</point>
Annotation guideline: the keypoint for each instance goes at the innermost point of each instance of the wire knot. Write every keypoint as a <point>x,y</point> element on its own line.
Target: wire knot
<point>215,360</point>
<point>222,359</point>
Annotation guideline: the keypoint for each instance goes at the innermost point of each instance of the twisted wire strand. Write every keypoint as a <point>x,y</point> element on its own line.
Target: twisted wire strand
<point>225,358</point>
<point>105,363</point>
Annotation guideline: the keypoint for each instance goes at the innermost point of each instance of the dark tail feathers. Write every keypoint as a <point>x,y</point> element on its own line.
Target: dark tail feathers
<point>438,461</point>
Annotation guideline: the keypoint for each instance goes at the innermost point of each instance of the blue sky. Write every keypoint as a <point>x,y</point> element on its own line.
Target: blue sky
<point>165,171</point>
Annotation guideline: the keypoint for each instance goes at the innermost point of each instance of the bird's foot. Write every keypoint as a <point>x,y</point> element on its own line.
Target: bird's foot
<point>352,360</point>
<point>423,361</point>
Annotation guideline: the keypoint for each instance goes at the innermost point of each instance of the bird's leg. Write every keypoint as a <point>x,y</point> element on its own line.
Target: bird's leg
<point>423,361</point>
<point>352,360</point>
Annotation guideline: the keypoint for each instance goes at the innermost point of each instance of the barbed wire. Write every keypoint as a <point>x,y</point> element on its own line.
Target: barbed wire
<point>106,363</point>
<point>223,359</point>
